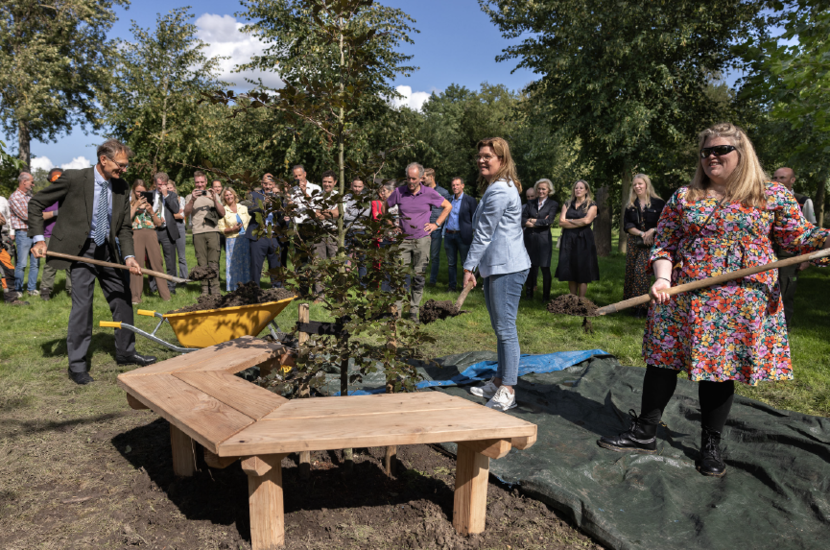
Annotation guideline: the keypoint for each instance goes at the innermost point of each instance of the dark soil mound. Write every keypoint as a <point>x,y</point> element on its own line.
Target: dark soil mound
<point>568,304</point>
<point>245,295</point>
<point>435,310</point>
<point>203,272</point>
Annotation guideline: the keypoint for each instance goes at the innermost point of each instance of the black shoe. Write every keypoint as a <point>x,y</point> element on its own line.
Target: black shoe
<point>711,461</point>
<point>640,437</point>
<point>80,378</point>
<point>173,291</point>
<point>45,296</point>
<point>136,359</point>
<point>452,290</point>
<point>12,298</point>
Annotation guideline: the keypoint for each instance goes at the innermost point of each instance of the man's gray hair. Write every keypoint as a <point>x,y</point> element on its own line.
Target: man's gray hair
<point>415,165</point>
<point>112,147</point>
<point>300,166</point>
<point>161,177</point>
<point>24,176</point>
<point>389,186</point>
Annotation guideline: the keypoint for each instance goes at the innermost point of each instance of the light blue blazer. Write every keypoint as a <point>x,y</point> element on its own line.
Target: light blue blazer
<point>498,244</point>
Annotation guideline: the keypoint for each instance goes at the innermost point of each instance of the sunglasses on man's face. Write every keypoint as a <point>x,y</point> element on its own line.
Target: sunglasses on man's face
<point>718,150</point>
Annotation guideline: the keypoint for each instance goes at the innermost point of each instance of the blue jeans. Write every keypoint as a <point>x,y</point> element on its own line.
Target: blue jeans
<point>24,245</point>
<point>434,256</point>
<point>453,246</point>
<point>501,295</point>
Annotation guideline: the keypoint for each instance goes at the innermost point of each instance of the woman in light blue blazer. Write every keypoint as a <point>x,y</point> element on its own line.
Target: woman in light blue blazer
<point>498,252</point>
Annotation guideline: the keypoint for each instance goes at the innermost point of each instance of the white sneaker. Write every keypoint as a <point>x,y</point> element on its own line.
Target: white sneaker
<point>488,390</point>
<point>504,400</point>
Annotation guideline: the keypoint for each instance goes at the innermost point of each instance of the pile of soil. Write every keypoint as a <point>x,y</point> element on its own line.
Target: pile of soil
<point>434,310</point>
<point>203,272</point>
<point>245,295</point>
<point>568,304</point>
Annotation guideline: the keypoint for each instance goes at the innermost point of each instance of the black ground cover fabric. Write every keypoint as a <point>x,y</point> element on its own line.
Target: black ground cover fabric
<point>775,495</point>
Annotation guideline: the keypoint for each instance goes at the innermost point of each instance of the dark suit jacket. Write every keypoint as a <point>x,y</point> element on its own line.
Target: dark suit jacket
<point>538,241</point>
<point>465,217</point>
<point>74,191</point>
<point>171,206</point>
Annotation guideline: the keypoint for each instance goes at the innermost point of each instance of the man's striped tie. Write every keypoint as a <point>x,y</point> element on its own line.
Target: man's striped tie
<point>102,224</point>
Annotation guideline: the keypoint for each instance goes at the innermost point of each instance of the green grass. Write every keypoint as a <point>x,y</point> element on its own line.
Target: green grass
<point>33,340</point>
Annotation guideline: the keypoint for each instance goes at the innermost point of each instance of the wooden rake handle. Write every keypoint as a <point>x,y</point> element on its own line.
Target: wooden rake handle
<point>110,264</point>
<point>703,283</point>
<point>463,296</point>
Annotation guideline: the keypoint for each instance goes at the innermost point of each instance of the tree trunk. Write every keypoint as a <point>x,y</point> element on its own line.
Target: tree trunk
<point>602,223</point>
<point>626,188</point>
<point>821,194</point>
<point>24,139</point>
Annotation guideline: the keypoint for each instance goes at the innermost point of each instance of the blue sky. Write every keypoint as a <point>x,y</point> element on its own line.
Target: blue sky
<point>456,44</point>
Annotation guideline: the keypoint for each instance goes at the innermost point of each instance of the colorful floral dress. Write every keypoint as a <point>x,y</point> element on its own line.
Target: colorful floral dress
<point>734,331</point>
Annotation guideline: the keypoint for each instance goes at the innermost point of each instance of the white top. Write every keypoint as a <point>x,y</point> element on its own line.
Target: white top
<point>6,211</point>
<point>304,203</point>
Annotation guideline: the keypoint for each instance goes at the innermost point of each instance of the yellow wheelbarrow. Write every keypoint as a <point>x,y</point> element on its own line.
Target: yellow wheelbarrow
<point>200,329</point>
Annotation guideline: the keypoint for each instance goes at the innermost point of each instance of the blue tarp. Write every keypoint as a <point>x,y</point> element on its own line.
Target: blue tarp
<point>483,370</point>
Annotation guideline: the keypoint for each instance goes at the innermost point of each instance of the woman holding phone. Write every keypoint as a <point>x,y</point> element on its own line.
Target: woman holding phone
<point>145,240</point>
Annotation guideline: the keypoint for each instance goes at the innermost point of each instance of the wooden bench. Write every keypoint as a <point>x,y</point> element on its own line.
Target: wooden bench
<point>232,419</point>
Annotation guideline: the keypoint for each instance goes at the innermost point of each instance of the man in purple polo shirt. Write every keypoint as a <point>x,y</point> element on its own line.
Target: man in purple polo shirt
<point>415,202</point>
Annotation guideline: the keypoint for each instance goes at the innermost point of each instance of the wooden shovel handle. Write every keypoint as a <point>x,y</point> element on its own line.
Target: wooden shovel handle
<point>109,264</point>
<point>463,295</point>
<point>722,278</point>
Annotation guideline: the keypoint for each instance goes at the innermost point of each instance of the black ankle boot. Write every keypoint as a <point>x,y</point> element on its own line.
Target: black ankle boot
<point>640,437</point>
<point>711,460</point>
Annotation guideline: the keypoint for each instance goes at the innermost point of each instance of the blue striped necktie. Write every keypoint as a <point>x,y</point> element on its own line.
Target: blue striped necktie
<point>102,225</point>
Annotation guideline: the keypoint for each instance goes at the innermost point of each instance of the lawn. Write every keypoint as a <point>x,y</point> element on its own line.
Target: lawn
<point>80,469</point>
<point>33,348</point>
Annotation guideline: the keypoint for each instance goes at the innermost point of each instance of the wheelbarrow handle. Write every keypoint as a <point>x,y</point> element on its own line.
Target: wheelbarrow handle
<point>116,266</point>
<point>722,278</point>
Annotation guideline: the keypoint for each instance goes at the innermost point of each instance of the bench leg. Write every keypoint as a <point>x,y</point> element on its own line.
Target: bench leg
<point>265,501</point>
<point>184,456</point>
<point>471,476</point>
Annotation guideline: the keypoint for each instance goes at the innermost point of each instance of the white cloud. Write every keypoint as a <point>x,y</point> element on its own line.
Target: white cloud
<point>413,100</point>
<point>223,36</point>
<point>41,163</point>
<point>77,163</point>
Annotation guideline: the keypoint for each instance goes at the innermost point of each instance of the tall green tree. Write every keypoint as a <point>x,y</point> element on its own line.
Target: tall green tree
<point>791,79</point>
<point>626,78</point>
<point>158,80</point>
<point>54,62</point>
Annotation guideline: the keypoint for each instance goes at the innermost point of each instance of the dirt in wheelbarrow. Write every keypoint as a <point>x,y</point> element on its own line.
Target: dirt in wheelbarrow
<point>245,295</point>
<point>115,488</point>
<point>433,310</point>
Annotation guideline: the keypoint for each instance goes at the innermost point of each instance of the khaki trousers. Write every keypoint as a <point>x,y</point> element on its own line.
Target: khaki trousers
<point>146,242</point>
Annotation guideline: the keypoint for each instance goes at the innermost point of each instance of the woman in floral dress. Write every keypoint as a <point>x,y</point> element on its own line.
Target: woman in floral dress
<point>728,218</point>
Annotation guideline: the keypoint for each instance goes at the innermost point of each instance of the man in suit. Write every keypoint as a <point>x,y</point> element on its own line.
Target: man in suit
<point>166,206</point>
<point>262,246</point>
<point>458,231</point>
<point>95,211</point>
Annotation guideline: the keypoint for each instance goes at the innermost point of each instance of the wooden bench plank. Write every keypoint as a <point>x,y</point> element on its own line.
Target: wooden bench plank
<point>317,434</point>
<point>197,414</point>
<point>361,405</point>
<point>235,392</point>
<point>232,357</point>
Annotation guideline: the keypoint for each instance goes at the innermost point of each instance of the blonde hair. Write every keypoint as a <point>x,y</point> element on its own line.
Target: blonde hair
<point>507,171</point>
<point>589,197</point>
<point>747,183</point>
<point>544,181</point>
<point>233,192</point>
<point>650,194</point>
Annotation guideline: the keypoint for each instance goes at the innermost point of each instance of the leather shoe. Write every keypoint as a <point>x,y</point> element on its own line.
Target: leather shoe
<point>711,459</point>
<point>135,359</point>
<point>640,437</point>
<point>80,378</point>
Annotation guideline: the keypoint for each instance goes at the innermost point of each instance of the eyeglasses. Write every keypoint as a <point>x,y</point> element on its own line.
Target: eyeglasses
<point>121,167</point>
<point>718,150</point>
<point>485,158</point>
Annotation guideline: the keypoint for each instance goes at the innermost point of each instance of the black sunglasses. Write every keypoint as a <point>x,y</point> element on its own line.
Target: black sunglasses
<point>718,150</point>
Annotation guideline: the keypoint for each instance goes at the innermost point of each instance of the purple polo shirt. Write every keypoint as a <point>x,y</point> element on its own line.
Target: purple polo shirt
<point>49,224</point>
<point>415,207</point>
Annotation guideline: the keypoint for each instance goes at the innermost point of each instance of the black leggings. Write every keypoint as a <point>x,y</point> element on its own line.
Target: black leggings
<point>715,398</point>
<point>533,276</point>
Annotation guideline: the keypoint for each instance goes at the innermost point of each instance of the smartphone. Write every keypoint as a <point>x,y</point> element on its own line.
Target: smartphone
<point>148,196</point>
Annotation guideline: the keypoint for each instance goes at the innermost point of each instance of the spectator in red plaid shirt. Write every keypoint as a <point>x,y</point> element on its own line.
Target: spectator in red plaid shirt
<point>19,206</point>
